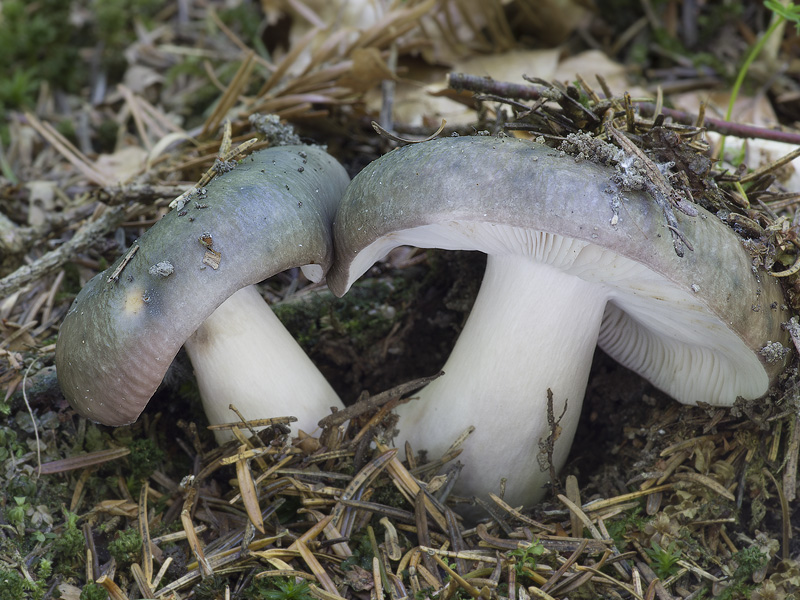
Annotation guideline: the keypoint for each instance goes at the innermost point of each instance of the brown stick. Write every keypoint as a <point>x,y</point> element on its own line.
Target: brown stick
<point>373,402</point>
<point>53,260</point>
<point>486,85</point>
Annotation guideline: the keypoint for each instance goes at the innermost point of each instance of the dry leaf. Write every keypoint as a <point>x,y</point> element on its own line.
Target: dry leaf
<point>41,201</point>
<point>591,63</point>
<point>753,111</point>
<point>139,78</point>
<point>123,165</point>
<point>69,592</point>
<point>549,22</point>
<point>307,443</point>
<point>247,488</point>
<point>512,65</point>
<point>368,70</point>
<point>359,578</point>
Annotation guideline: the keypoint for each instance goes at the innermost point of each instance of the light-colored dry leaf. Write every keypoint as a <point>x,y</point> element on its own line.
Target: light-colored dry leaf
<point>512,65</point>
<point>367,71</point>
<point>69,592</point>
<point>391,540</point>
<point>420,98</point>
<point>316,568</point>
<point>307,443</point>
<point>757,111</point>
<point>41,200</point>
<point>191,537</point>
<point>591,63</point>
<point>138,78</point>
<point>114,591</point>
<point>121,508</point>
<point>122,165</point>
<point>247,488</point>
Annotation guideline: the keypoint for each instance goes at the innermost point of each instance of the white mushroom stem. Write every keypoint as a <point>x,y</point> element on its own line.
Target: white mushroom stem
<point>532,328</point>
<point>243,355</point>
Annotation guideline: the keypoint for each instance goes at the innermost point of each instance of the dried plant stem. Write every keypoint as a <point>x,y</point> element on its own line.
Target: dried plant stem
<point>786,522</point>
<point>373,402</point>
<point>790,473</point>
<point>55,259</point>
<point>33,421</point>
<point>486,85</point>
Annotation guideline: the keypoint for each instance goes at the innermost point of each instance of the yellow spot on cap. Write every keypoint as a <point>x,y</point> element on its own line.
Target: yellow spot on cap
<point>134,301</point>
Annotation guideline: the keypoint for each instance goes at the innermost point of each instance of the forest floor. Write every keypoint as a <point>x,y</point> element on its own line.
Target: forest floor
<point>112,110</point>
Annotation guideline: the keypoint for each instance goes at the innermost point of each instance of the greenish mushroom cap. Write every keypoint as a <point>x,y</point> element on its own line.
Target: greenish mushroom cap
<point>270,213</point>
<point>483,193</point>
<point>575,260</point>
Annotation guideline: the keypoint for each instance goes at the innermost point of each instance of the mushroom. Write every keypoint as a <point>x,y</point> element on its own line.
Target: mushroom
<point>574,261</point>
<point>179,281</point>
<point>243,355</point>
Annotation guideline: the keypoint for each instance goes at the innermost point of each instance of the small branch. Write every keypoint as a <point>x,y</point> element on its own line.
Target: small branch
<point>486,85</point>
<point>15,239</point>
<point>790,471</point>
<point>141,193</point>
<point>659,188</point>
<point>53,260</point>
<point>373,402</point>
<point>11,239</point>
<point>547,446</point>
<point>739,130</point>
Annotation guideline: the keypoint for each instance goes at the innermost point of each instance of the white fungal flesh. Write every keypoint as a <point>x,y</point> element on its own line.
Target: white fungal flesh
<point>531,328</point>
<point>661,331</point>
<point>545,303</point>
<point>243,355</point>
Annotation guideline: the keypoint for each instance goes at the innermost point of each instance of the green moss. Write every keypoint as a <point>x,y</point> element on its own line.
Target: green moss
<point>42,42</point>
<point>748,561</point>
<point>526,558</point>
<point>21,485</point>
<point>113,29</point>
<point>389,495</point>
<point>277,588</point>
<point>92,591</point>
<point>211,588</point>
<point>14,585</point>
<point>68,547</point>
<point>94,440</point>
<point>145,457</point>
<point>44,569</point>
<point>303,318</point>
<point>362,552</point>
<point>364,315</point>
<point>15,511</point>
<point>665,560</point>
<point>126,546</point>
<point>37,44</point>
<point>631,521</point>
<point>246,18</point>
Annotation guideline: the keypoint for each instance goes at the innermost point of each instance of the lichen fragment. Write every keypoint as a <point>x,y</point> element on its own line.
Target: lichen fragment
<point>162,269</point>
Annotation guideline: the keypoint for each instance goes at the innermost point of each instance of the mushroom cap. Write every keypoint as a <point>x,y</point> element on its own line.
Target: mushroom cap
<point>270,213</point>
<point>506,196</point>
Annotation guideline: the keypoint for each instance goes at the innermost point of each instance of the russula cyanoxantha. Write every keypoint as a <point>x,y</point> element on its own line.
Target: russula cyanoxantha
<point>574,261</point>
<point>272,212</point>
